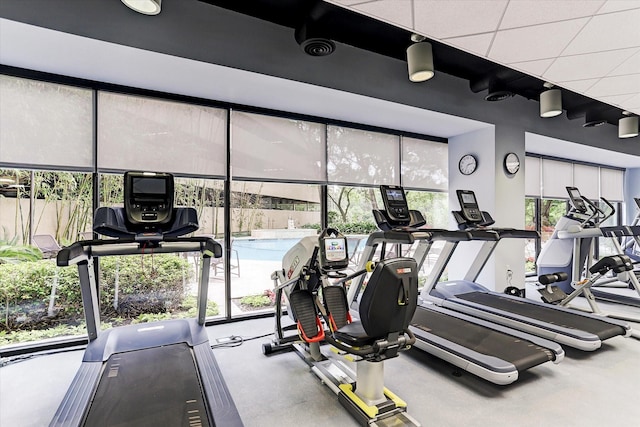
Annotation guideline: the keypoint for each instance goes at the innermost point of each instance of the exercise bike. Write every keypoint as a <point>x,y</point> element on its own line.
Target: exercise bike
<point>312,284</point>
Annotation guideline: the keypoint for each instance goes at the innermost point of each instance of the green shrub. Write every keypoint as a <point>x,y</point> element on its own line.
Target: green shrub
<point>25,289</point>
<point>12,253</point>
<point>15,337</point>
<point>256,300</point>
<point>360,227</point>
<point>149,284</point>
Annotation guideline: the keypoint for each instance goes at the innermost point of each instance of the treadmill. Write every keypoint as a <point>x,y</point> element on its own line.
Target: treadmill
<point>148,374</point>
<point>493,352</point>
<point>581,330</point>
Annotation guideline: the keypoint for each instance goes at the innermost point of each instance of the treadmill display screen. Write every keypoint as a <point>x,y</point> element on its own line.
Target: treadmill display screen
<point>395,195</point>
<point>149,186</point>
<point>469,198</point>
<point>148,198</point>
<point>395,203</point>
<point>469,206</point>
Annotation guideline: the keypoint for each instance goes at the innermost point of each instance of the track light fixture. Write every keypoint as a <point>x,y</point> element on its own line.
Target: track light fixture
<point>550,101</point>
<point>628,126</point>
<point>420,59</point>
<point>146,7</point>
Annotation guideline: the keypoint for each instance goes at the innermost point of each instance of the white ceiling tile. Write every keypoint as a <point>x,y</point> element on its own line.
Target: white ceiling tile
<point>630,66</point>
<point>398,12</point>
<point>536,68</point>
<point>616,100</point>
<point>441,19</point>
<point>477,44</point>
<point>579,86</point>
<point>606,32</point>
<point>592,65</point>
<point>618,85</point>
<point>532,12</point>
<point>536,42</point>
<point>633,102</point>
<point>618,5</point>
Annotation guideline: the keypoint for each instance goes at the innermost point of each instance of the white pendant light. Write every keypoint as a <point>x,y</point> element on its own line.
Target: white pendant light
<point>551,103</point>
<point>420,61</point>
<point>628,127</point>
<point>146,7</point>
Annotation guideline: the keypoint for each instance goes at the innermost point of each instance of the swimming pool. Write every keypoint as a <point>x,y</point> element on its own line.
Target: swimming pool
<point>267,249</point>
<point>263,249</point>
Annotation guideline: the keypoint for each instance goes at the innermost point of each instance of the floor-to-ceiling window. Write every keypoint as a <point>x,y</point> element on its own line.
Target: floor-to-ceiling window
<point>259,182</point>
<point>277,165</point>
<point>547,199</point>
<point>189,141</point>
<point>46,151</point>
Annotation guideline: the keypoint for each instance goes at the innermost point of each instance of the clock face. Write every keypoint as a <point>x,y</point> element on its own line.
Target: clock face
<point>512,163</point>
<point>467,164</point>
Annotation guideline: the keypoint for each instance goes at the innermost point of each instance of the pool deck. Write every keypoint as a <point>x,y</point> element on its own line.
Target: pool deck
<point>254,279</point>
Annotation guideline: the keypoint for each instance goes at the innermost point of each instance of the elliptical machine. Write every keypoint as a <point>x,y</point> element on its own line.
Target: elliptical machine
<point>313,285</point>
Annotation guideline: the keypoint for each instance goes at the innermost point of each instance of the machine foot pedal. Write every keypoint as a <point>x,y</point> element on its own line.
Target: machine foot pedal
<point>335,301</point>
<point>304,309</point>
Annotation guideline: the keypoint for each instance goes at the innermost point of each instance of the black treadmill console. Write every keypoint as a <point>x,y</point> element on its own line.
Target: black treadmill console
<point>576,199</point>
<point>395,203</point>
<point>469,206</point>
<point>148,198</point>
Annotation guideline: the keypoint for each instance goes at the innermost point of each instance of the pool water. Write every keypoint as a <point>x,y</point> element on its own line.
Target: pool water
<point>263,249</point>
<point>268,249</point>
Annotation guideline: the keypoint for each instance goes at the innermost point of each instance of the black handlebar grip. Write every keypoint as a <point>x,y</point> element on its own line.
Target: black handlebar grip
<point>547,279</point>
<point>561,276</point>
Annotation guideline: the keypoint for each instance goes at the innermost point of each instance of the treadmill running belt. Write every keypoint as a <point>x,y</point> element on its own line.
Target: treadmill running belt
<point>618,298</point>
<point>601,328</point>
<point>521,353</point>
<point>152,387</point>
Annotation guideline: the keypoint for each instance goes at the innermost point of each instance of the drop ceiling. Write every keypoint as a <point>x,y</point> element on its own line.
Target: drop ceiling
<point>591,47</point>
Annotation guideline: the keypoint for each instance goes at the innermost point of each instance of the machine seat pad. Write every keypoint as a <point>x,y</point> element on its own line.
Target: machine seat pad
<point>353,334</point>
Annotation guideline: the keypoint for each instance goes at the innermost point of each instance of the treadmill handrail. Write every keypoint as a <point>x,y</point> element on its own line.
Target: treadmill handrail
<point>620,230</point>
<point>82,250</point>
<point>408,236</point>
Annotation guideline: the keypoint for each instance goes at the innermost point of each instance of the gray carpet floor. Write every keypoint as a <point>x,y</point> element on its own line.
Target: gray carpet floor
<point>586,389</point>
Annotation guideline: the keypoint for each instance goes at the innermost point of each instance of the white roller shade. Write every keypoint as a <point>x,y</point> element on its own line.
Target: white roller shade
<point>556,176</point>
<point>45,123</point>
<point>532,176</point>
<point>362,157</point>
<point>587,180</point>
<point>156,135</point>
<point>425,164</point>
<point>612,184</point>
<point>277,148</point>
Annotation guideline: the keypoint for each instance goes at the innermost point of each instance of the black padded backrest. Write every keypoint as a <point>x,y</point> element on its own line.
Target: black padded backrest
<point>390,297</point>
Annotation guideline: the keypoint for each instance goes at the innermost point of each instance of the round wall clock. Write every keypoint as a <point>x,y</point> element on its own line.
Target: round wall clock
<point>467,164</point>
<point>512,163</point>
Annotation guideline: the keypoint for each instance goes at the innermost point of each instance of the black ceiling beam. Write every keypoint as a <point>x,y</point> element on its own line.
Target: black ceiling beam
<point>351,28</point>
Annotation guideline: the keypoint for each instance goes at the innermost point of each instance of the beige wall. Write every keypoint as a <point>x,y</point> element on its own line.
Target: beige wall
<point>270,219</point>
<point>14,217</point>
